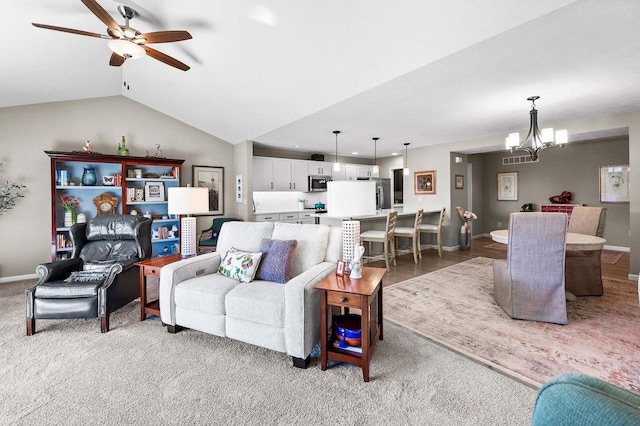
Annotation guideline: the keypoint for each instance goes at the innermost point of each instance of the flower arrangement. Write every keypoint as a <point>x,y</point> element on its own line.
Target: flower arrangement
<point>467,216</point>
<point>67,203</point>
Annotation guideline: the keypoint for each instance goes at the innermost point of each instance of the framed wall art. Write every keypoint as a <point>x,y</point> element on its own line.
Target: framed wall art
<point>459,182</point>
<point>508,186</point>
<point>211,178</point>
<point>154,191</point>
<point>614,184</point>
<point>425,182</point>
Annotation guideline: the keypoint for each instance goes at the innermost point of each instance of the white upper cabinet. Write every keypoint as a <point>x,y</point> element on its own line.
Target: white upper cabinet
<point>321,168</point>
<point>279,174</point>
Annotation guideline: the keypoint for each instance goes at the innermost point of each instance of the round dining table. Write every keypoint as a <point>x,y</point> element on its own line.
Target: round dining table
<point>574,241</point>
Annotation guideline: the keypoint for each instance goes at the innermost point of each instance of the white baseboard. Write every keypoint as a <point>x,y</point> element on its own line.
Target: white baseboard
<point>18,278</point>
<point>632,277</point>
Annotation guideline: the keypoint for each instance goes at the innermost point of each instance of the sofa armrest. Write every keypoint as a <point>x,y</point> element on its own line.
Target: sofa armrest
<point>174,273</point>
<point>302,310</point>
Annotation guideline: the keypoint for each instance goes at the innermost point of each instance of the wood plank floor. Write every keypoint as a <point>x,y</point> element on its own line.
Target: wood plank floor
<point>431,262</point>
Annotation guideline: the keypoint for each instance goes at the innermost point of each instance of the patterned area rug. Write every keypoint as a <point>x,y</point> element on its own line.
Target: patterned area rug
<point>609,257</point>
<point>455,307</point>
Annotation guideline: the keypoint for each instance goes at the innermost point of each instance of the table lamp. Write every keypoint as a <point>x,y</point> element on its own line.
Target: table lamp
<point>187,201</point>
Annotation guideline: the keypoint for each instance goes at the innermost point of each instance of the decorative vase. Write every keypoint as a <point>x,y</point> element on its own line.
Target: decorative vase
<point>122,149</point>
<point>465,237</point>
<point>69,218</point>
<point>89,176</point>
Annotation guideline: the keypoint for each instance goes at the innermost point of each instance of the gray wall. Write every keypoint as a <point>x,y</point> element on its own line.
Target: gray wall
<point>27,131</point>
<point>574,168</point>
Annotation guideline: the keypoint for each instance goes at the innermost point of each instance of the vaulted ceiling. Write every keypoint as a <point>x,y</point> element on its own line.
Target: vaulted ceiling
<point>286,73</point>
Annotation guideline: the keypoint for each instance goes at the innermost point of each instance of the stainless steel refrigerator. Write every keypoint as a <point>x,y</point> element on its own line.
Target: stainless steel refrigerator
<point>383,192</point>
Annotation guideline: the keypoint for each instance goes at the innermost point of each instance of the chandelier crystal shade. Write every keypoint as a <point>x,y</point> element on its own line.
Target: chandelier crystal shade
<point>536,139</point>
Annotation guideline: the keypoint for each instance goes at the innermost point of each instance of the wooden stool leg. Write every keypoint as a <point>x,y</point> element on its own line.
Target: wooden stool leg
<point>415,252</point>
<point>386,253</point>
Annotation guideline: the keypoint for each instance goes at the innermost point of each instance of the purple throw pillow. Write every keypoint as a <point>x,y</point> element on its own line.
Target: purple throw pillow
<point>277,260</point>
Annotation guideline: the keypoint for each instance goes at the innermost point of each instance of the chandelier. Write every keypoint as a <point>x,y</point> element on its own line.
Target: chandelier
<point>540,139</point>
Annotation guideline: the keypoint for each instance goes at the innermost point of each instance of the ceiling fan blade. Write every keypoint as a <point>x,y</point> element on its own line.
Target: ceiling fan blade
<point>116,60</point>
<point>102,14</point>
<point>67,30</point>
<point>165,58</point>
<point>165,36</point>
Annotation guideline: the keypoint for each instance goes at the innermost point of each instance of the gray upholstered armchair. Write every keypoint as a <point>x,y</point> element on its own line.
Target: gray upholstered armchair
<point>99,278</point>
<point>530,283</point>
<point>583,273</point>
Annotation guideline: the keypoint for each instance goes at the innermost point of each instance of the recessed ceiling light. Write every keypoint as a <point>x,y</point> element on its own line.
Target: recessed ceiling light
<point>296,146</point>
<point>394,153</point>
<point>354,153</point>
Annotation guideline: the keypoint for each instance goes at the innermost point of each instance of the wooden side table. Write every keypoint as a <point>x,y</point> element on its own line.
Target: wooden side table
<point>151,268</point>
<point>364,294</point>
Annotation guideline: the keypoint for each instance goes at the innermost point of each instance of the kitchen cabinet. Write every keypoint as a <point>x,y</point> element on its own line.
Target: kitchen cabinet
<point>279,174</point>
<point>263,174</point>
<point>321,168</point>
<point>118,183</point>
<point>291,217</point>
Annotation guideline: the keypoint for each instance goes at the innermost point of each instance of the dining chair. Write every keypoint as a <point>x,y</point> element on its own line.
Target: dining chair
<point>529,284</point>
<point>583,268</point>
<point>386,237</point>
<point>410,232</point>
<point>428,228</point>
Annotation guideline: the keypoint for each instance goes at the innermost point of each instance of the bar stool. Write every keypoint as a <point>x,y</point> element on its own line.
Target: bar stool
<point>413,233</point>
<point>385,237</point>
<point>428,228</point>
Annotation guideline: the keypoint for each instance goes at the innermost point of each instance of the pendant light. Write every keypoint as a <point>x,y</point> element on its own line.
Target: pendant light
<point>375,170</point>
<point>336,165</point>
<point>405,171</point>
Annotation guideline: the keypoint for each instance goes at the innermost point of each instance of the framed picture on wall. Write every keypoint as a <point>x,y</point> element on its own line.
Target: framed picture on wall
<point>425,182</point>
<point>614,184</point>
<point>508,186</point>
<point>211,178</point>
<point>459,182</point>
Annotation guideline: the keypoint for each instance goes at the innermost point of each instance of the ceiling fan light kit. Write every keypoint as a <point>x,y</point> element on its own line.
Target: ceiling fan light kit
<point>127,42</point>
<point>126,48</point>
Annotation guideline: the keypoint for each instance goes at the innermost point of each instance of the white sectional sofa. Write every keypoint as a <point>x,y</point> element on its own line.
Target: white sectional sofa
<point>282,317</point>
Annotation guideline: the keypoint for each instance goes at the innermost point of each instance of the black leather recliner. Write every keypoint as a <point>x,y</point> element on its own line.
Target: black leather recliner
<point>99,278</point>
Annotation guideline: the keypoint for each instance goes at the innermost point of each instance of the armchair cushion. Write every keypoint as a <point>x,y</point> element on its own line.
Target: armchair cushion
<point>240,265</point>
<point>67,289</point>
<point>277,260</point>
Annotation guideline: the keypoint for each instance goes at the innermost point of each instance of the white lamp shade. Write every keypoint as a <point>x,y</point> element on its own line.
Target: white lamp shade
<point>187,200</point>
<point>562,137</point>
<point>126,48</point>
<point>546,135</point>
<point>513,140</point>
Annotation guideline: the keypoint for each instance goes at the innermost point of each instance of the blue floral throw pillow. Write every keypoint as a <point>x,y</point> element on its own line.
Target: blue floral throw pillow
<point>240,265</point>
<point>277,260</point>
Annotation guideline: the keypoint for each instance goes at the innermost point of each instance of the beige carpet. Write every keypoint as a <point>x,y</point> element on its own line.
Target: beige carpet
<point>69,373</point>
<point>455,306</point>
<point>609,257</point>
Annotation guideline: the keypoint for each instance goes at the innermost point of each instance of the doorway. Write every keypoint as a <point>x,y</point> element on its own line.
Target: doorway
<point>398,182</point>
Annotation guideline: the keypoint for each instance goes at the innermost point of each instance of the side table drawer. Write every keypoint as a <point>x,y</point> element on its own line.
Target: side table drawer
<point>350,300</point>
<point>152,271</point>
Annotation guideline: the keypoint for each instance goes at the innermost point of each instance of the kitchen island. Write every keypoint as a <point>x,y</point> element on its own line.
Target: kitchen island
<point>376,220</point>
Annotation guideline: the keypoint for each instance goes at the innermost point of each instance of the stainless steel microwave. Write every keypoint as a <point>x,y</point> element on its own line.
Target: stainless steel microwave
<point>318,183</point>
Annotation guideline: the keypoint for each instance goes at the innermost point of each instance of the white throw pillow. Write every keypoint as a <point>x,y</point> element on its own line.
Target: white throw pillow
<point>240,265</point>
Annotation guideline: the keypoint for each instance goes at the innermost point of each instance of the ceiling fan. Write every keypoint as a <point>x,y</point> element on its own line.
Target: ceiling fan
<point>126,42</point>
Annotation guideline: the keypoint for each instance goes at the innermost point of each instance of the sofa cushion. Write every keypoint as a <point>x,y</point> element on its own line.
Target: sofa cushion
<point>205,293</point>
<point>277,260</point>
<point>245,236</point>
<point>312,243</point>
<point>259,301</point>
<point>240,265</point>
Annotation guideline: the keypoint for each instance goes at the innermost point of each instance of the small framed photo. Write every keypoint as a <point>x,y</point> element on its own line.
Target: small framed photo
<point>508,186</point>
<point>340,267</point>
<point>108,180</point>
<point>459,182</point>
<point>425,182</point>
<point>614,184</point>
<point>154,191</point>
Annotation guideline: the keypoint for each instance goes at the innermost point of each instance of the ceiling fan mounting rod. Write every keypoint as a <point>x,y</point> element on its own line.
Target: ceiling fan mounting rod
<point>127,13</point>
